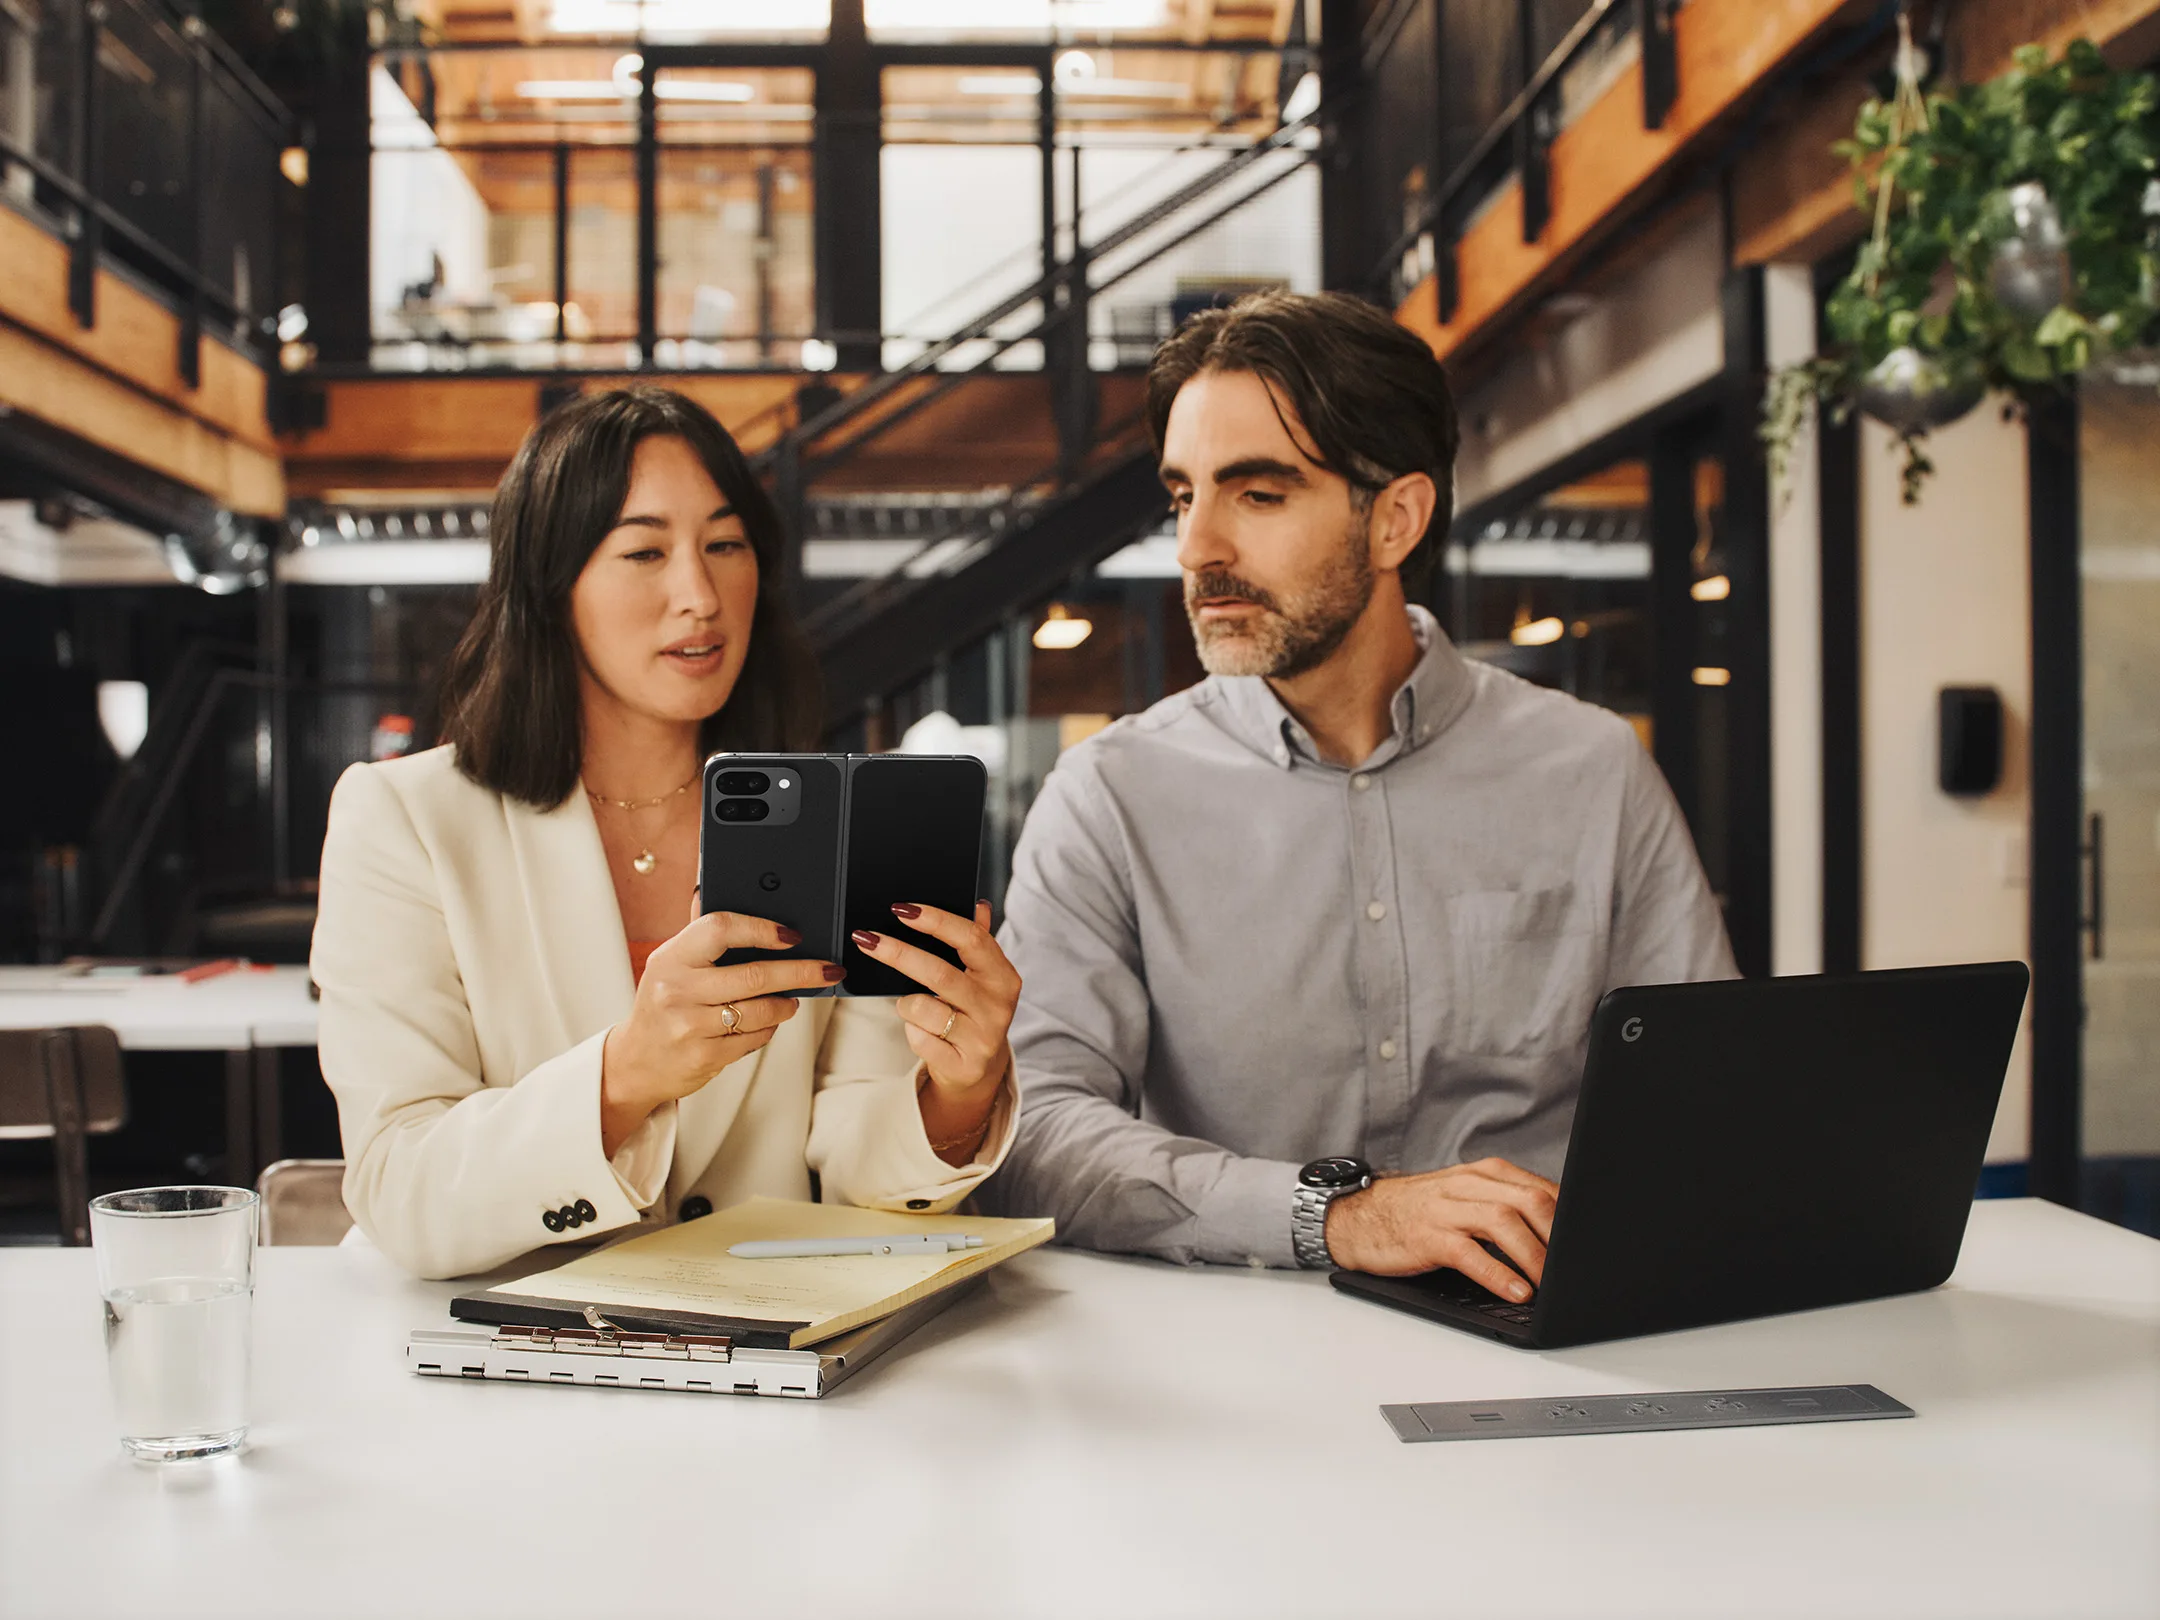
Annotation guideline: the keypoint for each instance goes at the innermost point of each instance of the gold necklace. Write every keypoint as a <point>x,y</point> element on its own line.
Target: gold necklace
<point>645,860</point>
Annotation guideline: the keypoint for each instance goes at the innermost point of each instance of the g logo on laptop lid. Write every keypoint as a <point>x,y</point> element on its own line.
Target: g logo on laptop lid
<point>1631,1031</point>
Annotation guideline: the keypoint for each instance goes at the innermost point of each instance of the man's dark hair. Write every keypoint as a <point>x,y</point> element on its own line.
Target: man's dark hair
<point>510,691</point>
<point>1371,397</point>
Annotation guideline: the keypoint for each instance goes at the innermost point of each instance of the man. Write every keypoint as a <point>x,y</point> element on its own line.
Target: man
<point>1352,895</point>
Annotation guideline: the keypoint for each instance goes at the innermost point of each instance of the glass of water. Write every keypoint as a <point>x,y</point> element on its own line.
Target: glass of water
<point>177,1268</point>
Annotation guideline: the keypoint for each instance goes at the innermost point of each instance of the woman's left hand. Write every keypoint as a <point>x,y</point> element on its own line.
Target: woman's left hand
<point>959,1029</point>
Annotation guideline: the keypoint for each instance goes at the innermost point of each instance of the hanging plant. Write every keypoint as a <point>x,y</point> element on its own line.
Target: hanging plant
<point>2016,240</point>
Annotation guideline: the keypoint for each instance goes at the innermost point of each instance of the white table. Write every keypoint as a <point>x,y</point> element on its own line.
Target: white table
<point>1098,1437</point>
<point>248,1015</point>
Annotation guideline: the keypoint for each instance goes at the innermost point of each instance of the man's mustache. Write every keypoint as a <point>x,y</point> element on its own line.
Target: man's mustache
<point>1217,586</point>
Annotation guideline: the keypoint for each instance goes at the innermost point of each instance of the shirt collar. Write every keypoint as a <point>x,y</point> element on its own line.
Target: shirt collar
<point>1425,705</point>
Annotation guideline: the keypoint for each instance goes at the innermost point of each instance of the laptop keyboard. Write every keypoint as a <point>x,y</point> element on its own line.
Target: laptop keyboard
<point>1460,1290</point>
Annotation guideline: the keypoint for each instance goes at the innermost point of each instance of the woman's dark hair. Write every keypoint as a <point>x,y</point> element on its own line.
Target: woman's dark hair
<point>510,691</point>
<point>1371,397</point>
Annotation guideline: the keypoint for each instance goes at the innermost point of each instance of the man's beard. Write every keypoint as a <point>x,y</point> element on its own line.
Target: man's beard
<point>1295,633</point>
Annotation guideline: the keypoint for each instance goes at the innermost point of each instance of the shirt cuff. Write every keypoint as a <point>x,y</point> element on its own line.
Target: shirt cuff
<point>1245,1218</point>
<point>642,1163</point>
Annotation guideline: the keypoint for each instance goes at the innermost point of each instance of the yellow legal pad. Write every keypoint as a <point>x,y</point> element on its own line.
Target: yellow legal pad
<point>684,1280</point>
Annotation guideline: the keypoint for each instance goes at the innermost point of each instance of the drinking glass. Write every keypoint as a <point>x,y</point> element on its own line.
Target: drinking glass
<point>177,1268</point>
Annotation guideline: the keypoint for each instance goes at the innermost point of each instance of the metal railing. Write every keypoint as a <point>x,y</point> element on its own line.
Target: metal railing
<point>832,435</point>
<point>1518,145</point>
<point>146,141</point>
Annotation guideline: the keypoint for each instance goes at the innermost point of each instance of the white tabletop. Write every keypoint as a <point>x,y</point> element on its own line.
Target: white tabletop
<point>162,1013</point>
<point>1093,1437</point>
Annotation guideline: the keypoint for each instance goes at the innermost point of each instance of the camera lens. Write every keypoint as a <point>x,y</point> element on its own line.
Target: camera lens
<point>743,810</point>
<point>744,782</point>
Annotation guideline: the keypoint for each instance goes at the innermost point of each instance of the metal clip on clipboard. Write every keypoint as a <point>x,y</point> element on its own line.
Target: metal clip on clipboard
<point>605,1356</point>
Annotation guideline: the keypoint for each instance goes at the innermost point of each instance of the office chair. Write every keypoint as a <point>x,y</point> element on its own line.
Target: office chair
<point>66,1084</point>
<point>303,1202</point>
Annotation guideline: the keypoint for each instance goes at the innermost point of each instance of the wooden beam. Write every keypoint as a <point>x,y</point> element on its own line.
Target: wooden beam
<point>1605,161</point>
<point>54,385</point>
<point>1793,196</point>
<point>136,339</point>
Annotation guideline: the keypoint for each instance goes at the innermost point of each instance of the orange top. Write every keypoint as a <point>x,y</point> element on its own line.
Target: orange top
<point>640,953</point>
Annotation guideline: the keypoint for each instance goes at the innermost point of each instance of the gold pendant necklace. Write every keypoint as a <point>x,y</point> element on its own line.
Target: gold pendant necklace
<point>644,861</point>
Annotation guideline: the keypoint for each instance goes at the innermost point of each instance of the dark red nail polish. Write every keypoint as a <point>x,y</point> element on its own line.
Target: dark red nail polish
<point>789,936</point>
<point>907,913</point>
<point>863,937</point>
<point>834,972</point>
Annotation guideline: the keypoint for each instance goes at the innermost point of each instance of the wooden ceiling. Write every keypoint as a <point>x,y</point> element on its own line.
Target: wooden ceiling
<point>557,89</point>
<point>1196,22</point>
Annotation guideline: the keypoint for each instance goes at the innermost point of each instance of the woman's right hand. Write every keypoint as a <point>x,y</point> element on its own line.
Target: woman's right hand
<point>677,1036</point>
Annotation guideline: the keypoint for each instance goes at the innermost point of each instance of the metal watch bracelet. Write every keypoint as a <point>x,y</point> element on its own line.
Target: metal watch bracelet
<point>1308,1225</point>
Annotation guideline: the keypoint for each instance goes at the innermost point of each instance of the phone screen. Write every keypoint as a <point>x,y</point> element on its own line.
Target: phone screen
<point>914,838</point>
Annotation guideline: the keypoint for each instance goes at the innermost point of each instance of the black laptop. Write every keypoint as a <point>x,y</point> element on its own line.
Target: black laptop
<point>1755,1146</point>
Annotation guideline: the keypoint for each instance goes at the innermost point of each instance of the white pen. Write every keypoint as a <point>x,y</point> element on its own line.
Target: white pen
<point>809,1248</point>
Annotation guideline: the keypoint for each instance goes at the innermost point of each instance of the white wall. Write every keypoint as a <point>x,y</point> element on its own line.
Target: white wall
<point>421,204</point>
<point>1645,337</point>
<point>1944,601</point>
<point>962,229</point>
<point>1796,821</point>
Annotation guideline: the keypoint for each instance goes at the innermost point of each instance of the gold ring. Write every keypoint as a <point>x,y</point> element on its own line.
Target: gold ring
<point>730,1019</point>
<point>952,1017</point>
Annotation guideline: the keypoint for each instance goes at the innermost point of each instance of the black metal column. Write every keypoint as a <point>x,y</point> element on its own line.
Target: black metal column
<point>1838,479</point>
<point>849,212</point>
<point>1672,612</point>
<point>1745,517</point>
<point>337,202</point>
<point>648,214</point>
<point>83,255</point>
<point>562,242</point>
<point>2058,740</point>
<point>1345,253</point>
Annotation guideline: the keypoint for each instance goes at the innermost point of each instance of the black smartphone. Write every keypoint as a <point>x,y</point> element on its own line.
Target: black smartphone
<point>914,837</point>
<point>771,829</point>
<point>829,843</point>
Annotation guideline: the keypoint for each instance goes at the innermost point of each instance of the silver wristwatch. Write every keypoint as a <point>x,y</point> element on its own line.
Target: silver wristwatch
<point>1319,1184</point>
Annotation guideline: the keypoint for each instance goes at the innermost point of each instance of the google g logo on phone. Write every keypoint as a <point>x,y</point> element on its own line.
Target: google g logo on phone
<point>1631,1031</point>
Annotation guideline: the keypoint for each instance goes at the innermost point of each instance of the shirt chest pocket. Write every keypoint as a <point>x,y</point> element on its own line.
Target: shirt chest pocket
<point>1525,970</point>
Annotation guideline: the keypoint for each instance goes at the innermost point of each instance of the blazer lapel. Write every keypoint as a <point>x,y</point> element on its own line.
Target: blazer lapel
<point>577,924</point>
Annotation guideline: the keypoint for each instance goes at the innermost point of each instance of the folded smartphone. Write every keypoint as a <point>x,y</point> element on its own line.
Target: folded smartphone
<point>829,843</point>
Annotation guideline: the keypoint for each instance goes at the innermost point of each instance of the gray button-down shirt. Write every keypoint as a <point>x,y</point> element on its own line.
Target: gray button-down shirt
<point>1238,957</point>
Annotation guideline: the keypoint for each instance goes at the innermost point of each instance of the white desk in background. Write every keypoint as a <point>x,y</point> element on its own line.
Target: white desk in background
<point>1097,1437</point>
<point>247,1015</point>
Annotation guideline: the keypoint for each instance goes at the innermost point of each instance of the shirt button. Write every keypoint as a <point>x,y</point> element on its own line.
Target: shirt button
<point>1361,781</point>
<point>1376,911</point>
<point>696,1207</point>
<point>1387,1049</point>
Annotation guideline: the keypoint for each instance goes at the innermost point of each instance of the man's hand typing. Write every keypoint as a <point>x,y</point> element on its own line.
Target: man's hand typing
<point>1403,1225</point>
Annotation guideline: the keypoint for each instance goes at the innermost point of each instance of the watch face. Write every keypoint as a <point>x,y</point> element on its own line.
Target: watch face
<point>1333,1173</point>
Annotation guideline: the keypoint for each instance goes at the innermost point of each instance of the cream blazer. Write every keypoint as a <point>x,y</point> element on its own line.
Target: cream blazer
<point>471,958</point>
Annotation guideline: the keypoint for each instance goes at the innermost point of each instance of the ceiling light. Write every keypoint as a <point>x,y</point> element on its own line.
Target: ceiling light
<point>1712,677</point>
<point>1714,589</point>
<point>123,709</point>
<point>1303,100</point>
<point>1537,633</point>
<point>617,89</point>
<point>1000,84</point>
<point>818,355</point>
<point>1073,65</point>
<point>1061,632</point>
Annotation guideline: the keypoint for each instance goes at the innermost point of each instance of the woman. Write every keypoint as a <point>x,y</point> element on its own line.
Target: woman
<point>526,1042</point>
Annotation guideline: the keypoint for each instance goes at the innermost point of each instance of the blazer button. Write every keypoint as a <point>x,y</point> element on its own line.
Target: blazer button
<point>569,1216</point>
<point>696,1207</point>
<point>552,1219</point>
<point>918,1203</point>
<point>585,1211</point>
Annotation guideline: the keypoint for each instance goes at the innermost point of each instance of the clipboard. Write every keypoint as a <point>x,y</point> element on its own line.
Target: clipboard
<point>684,1282</point>
<point>604,1353</point>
